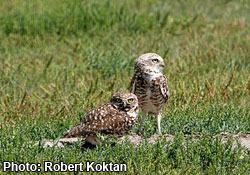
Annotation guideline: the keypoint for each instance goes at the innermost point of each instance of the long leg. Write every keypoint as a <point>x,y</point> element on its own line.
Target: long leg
<point>142,120</point>
<point>159,123</point>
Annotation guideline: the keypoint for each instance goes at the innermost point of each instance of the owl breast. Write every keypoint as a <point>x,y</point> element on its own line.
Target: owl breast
<point>148,90</point>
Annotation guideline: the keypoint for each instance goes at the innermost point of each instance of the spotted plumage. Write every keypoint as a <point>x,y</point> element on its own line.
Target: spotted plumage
<point>150,86</point>
<point>116,117</point>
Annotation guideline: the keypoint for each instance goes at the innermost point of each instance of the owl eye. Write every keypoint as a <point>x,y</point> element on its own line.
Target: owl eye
<point>155,60</point>
<point>130,100</point>
<point>118,100</point>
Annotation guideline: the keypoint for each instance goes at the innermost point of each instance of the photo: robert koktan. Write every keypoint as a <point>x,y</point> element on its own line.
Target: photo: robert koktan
<point>48,166</point>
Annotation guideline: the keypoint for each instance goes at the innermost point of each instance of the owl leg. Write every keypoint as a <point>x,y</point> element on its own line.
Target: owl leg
<point>142,120</point>
<point>159,123</point>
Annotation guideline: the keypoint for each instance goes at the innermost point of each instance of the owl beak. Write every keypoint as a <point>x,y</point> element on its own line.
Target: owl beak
<point>126,107</point>
<point>162,65</point>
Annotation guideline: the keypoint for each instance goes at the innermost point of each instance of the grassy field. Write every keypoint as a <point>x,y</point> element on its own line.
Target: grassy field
<point>60,58</point>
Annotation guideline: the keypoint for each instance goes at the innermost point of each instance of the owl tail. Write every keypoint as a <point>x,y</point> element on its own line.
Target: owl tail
<point>74,132</point>
<point>67,134</point>
<point>77,132</point>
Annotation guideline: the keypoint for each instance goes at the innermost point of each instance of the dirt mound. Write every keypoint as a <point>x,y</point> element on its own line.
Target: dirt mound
<point>243,139</point>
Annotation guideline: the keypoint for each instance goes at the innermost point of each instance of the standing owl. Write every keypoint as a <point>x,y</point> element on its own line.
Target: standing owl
<point>150,86</point>
<point>116,117</point>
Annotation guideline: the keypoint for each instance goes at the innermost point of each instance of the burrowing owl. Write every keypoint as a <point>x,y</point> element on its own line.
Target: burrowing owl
<point>116,117</point>
<point>150,86</point>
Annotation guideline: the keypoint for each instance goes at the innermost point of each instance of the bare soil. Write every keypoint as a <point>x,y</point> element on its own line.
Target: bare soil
<point>243,139</point>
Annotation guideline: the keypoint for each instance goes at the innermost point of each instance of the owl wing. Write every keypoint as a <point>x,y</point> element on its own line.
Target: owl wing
<point>161,82</point>
<point>103,120</point>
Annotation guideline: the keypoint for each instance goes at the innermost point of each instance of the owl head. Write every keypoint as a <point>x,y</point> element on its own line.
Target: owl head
<point>125,101</point>
<point>150,61</point>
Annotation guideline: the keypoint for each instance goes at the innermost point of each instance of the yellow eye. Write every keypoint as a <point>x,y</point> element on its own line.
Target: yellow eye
<point>130,100</point>
<point>118,100</point>
<point>155,60</point>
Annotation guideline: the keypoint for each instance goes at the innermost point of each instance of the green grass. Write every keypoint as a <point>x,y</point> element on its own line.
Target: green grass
<point>60,58</point>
